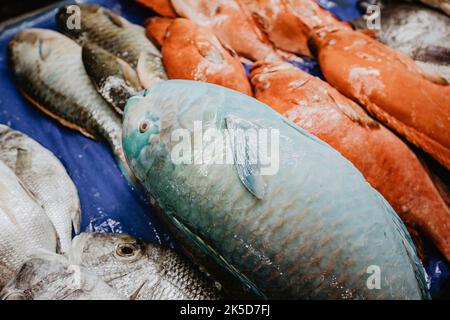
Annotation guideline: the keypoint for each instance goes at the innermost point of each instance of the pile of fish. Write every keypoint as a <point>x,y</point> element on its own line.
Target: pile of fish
<point>350,194</point>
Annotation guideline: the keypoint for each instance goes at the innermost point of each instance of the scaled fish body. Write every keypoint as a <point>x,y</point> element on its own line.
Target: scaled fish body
<point>139,270</point>
<point>384,160</point>
<point>443,5</point>
<point>24,226</point>
<point>389,85</point>
<point>161,7</point>
<point>46,178</point>
<point>308,230</point>
<point>51,277</point>
<point>42,61</point>
<point>288,23</point>
<point>421,33</point>
<point>193,52</point>
<point>118,36</point>
<point>156,28</point>
<point>114,79</point>
<point>232,25</point>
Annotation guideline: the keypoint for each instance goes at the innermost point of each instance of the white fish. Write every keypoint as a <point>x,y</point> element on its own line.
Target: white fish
<point>46,178</point>
<point>24,226</point>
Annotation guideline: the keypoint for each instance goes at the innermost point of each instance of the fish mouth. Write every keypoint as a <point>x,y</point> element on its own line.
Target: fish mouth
<point>76,251</point>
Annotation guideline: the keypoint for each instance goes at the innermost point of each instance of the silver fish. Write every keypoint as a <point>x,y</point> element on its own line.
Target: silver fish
<point>24,226</point>
<point>417,31</point>
<point>139,270</point>
<point>118,36</point>
<point>48,69</point>
<point>48,276</point>
<point>44,176</point>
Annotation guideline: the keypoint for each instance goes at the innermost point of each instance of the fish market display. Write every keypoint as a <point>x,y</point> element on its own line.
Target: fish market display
<point>193,52</point>
<point>46,178</point>
<point>52,277</point>
<point>41,62</point>
<point>420,32</point>
<point>24,226</point>
<point>139,270</point>
<point>305,225</point>
<point>384,160</point>
<point>161,7</point>
<point>156,28</point>
<point>113,78</point>
<point>389,85</point>
<point>116,35</point>
<point>232,25</point>
<point>288,23</point>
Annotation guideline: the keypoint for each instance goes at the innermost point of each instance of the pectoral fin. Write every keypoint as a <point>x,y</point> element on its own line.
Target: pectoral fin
<point>245,154</point>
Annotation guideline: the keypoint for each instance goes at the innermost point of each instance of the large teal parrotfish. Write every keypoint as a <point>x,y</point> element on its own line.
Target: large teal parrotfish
<point>313,229</point>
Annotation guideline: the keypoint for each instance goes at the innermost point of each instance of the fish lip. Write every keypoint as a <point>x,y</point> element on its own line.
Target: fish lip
<point>76,250</point>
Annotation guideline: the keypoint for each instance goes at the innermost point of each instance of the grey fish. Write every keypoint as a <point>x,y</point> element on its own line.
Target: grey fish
<point>24,226</point>
<point>313,229</point>
<point>48,276</point>
<point>417,31</point>
<point>443,5</point>
<point>139,270</point>
<point>48,69</point>
<point>46,178</point>
<point>118,36</point>
<point>114,79</point>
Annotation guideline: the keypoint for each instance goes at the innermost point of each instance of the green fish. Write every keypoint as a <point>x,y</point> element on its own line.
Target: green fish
<point>313,229</point>
<point>49,71</point>
<point>116,35</point>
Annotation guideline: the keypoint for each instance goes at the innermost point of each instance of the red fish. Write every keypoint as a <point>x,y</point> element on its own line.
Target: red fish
<point>385,161</point>
<point>232,24</point>
<point>389,85</point>
<point>288,23</point>
<point>161,7</point>
<point>156,28</point>
<point>193,52</point>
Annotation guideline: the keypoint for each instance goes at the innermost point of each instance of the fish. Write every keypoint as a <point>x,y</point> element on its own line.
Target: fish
<point>47,276</point>
<point>287,23</point>
<point>141,271</point>
<point>46,178</point>
<point>232,24</point>
<point>24,226</point>
<point>417,31</point>
<point>116,35</point>
<point>41,59</point>
<point>303,225</point>
<point>389,85</point>
<point>156,29</point>
<point>386,162</point>
<point>193,52</point>
<point>161,7</point>
<point>114,79</point>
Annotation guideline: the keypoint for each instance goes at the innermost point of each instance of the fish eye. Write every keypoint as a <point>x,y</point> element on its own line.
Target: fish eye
<point>127,250</point>
<point>143,126</point>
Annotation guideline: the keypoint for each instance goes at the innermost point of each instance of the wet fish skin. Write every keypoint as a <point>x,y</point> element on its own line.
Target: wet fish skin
<point>389,85</point>
<point>161,7</point>
<point>443,5</point>
<point>46,178</point>
<point>41,61</point>
<point>420,32</point>
<point>24,226</point>
<point>47,276</point>
<point>116,35</point>
<point>141,271</point>
<point>387,163</point>
<point>156,29</point>
<point>193,52</point>
<point>113,78</point>
<point>309,231</point>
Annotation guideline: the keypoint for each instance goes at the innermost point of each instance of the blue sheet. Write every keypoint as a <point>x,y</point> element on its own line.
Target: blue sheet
<point>108,202</point>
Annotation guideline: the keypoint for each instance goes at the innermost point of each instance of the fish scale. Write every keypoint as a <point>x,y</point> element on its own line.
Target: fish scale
<point>71,100</point>
<point>336,202</point>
